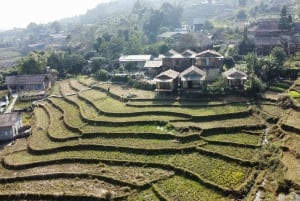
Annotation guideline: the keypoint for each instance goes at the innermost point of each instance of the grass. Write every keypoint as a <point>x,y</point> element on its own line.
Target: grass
<point>236,152</point>
<point>274,110</point>
<point>74,186</point>
<point>22,104</point>
<point>294,94</point>
<point>240,138</point>
<point>180,188</point>
<point>114,143</point>
<point>146,195</point>
<point>146,128</point>
<point>215,170</point>
<point>110,105</point>
<point>134,175</point>
<point>71,112</point>
<point>227,123</point>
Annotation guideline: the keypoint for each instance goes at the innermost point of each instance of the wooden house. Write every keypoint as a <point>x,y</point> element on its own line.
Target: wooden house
<point>167,81</point>
<point>211,62</point>
<point>192,78</point>
<point>235,79</point>
<point>29,86</point>
<point>9,126</point>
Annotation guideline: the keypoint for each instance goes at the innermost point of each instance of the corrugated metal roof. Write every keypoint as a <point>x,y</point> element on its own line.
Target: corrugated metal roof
<point>153,64</point>
<point>140,57</point>
<point>8,119</point>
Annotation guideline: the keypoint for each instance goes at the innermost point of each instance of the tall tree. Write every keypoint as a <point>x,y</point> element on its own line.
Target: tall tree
<point>34,63</point>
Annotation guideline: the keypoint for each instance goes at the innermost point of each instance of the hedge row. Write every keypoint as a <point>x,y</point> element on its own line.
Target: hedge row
<point>228,158</point>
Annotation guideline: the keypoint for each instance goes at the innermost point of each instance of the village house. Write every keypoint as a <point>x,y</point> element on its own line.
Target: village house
<point>29,86</point>
<point>138,61</point>
<point>178,61</point>
<point>167,81</point>
<point>210,62</point>
<point>192,78</point>
<point>153,67</point>
<point>268,35</point>
<point>10,123</point>
<point>235,79</point>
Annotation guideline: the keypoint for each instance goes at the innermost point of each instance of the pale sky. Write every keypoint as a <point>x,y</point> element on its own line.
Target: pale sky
<point>19,13</point>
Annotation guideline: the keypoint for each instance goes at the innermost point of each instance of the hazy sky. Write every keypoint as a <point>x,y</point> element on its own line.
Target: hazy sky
<point>19,13</point>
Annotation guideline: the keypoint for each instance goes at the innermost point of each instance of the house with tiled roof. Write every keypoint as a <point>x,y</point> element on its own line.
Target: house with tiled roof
<point>29,86</point>
<point>235,79</point>
<point>10,123</point>
<point>167,81</point>
<point>210,62</point>
<point>192,78</point>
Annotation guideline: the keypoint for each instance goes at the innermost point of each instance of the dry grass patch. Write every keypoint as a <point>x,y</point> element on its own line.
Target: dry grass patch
<point>179,188</point>
<point>293,119</point>
<point>226,123</point>
<point>134,175</point>
<point>71,112</point>
<point>243,153</point>
<point>274,110</point>
<point>147,195</point>
<point>79,187</point>
<point>240,138</point>
<point>110,105</point>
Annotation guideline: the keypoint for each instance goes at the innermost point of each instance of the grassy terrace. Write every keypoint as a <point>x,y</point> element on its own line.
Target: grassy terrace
<point>75,187</point>
<point>110,105</point>
<point>233,151</point>
<point>134,175</point>
<point>240,138</point>
<point>191,190</point>
<point>149,150</point>
<point>221,172</point>
<point>271,109</point>
<point>227,123</point>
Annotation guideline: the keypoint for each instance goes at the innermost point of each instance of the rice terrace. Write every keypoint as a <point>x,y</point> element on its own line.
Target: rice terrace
<point>93,141</point>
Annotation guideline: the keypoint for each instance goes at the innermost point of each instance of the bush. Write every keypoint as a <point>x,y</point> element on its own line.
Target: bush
<point>120,78</point>
<point>143,85</point>
<point>102,75</point>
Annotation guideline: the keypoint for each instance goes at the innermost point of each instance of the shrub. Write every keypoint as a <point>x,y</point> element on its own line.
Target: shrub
<point>102,75</point>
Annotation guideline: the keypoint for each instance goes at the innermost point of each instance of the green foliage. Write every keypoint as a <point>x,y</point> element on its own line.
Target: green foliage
<point>241,15</point>
<point>102,75</point>
<point>229,62</point>
<point>246,45</point>
<point>294,94</point>
<point>279,55</point>
<point>34,63</point>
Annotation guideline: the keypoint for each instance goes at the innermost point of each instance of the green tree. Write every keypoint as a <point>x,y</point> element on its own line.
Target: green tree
<point>34,63</point>
<point>241,15</point>
<point>246,45</point>
<point>279,55</point>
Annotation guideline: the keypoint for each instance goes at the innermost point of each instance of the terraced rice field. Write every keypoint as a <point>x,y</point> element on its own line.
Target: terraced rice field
<point>87,144</point>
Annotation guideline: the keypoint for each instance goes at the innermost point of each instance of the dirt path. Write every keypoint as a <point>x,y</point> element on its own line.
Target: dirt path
<point>12,104</point>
